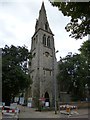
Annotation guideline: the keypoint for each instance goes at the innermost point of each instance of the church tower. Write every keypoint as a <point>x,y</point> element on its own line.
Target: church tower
<point>43,60</point>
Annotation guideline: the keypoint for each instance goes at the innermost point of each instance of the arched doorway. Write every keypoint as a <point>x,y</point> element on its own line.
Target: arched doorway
<point>47,100</point>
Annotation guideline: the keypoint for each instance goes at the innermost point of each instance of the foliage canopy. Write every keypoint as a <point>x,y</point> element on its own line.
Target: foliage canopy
<point>15,77</point>
<point>79,25</point>
<point>74,73</point>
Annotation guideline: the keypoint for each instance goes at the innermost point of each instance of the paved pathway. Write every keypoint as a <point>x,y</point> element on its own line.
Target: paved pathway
<point>31,113</point>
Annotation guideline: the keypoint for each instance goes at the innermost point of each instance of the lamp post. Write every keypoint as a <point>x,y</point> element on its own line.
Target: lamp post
<point>55,86</point>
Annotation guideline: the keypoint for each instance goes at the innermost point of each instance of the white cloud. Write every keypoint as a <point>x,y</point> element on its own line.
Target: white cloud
<point>17,24</point>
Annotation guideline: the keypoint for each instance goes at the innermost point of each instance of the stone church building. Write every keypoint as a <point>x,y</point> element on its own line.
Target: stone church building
<point>43,63</point>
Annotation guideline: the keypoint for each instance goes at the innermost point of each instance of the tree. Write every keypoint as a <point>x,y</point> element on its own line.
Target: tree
<point>72,76</point>
<point>15,77</point>
<point>79,25</point>
<point>85,53</point>
<point>85,50</point>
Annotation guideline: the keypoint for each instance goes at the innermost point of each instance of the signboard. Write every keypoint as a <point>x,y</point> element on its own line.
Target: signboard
<point>29,99</point>
<point>21,100</point>
<point>29,105</point>
<point>16,99</point>
<point>42,99</point>
<point>2,103</point>
<point>47,104</point>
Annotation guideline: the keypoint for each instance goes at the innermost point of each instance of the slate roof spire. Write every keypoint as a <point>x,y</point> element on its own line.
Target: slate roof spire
<point>42,21</point>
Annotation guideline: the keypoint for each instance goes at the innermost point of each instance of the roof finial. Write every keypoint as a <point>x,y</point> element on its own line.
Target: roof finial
<point>43,7</point>
<point>43,3</point>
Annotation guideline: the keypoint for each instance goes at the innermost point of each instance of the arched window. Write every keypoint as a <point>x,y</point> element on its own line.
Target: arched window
<point>34,43</point>
<point>46,26</point>
<point>36,39</point>
<point>48,41</point>
<point>47,98</point>
<point>36,25</point>
<point>44,39</point>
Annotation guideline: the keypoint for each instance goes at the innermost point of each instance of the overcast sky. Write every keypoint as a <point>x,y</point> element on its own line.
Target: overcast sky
<point>17,25</point>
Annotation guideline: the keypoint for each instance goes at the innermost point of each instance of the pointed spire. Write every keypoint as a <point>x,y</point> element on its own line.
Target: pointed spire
<point>42,12</point>
<point>43,7</point>
<point>42,20</point>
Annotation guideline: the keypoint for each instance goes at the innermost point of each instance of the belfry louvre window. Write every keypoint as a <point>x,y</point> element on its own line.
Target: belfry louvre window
<point>34,43</point>
<point>46,26</point>
<point>44,39</point>
<point>44,72</point>
<point>36,39</point>
<point>48,41</point>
